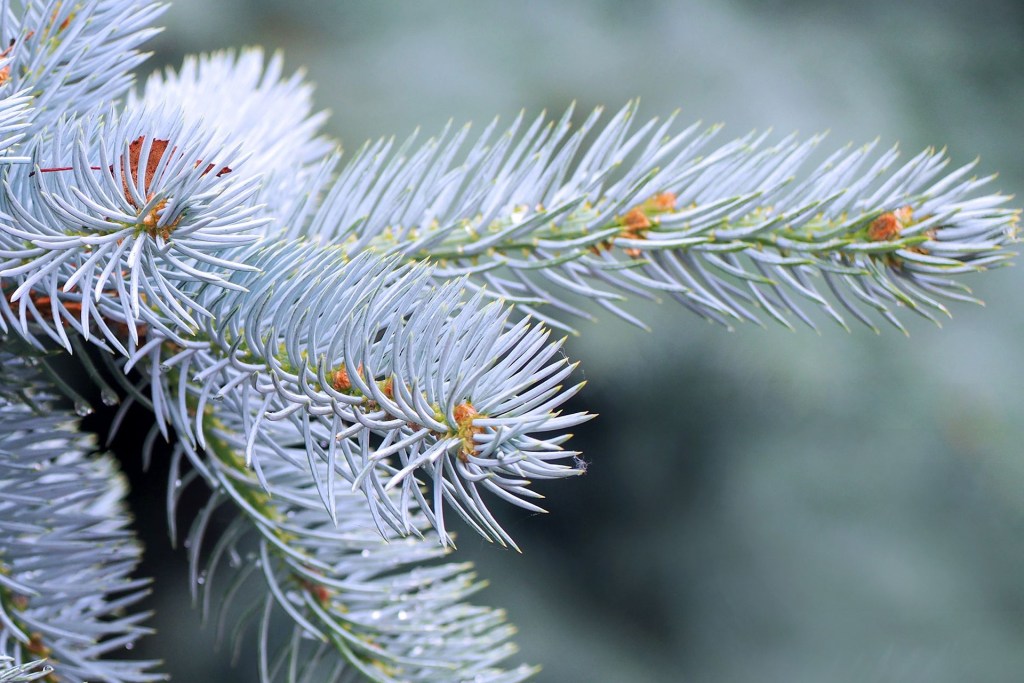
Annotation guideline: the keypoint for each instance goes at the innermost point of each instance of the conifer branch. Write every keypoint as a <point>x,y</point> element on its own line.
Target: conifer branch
<point>232,93</point>
<point>66,551</point>
<point>343,355</point>
<point>383,375</point>
<point>390,610</point>
<point>71,57</point>
<point>732,233</point>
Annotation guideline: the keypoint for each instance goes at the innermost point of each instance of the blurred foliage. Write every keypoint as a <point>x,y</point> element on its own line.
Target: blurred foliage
<point>761,505</point>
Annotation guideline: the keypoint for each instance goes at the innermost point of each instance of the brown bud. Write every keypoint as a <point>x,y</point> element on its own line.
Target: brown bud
<point>885,228</point>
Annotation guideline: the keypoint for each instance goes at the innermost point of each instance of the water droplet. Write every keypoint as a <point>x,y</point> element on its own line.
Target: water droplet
<point>82,409</point>
<point>109,397</point>
<point>375,614</point>
<point>129,645</point>
<point>365,552</point>
<point>402,615</point>
<point>416,651</point>
<point>177,483</point>
<point>201,579</point>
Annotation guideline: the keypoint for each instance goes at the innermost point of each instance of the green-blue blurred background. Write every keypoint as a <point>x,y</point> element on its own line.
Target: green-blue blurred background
<point>761,505</point>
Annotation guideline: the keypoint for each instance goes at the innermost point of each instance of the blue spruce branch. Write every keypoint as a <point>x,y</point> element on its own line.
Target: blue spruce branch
<point>66,548</point>
<point>536,214</point>
<point>391,610</point>
<point>347,352</point>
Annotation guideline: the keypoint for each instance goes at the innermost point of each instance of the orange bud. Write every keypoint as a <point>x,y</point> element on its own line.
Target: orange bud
<point>885,228</point>
<point>341,380</point>
<point>464,414</point>
<point>636,219</point>
<point>666,201</point>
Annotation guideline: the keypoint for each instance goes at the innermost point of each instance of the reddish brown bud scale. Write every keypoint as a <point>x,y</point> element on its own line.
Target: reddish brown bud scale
<point>464,413</point>
<point>665,201</point>
<point>890,224</point>
<point>64,24</point>
<point>884,228</point>
<point>223,171</point>
<point>36,645</point>
<point>5,72</point>
<point>45,309</point>
<point>341,380</point>
<point>157,149</point>
<point>636,220</point>
<point>156,153</point>
<point>319,591</point>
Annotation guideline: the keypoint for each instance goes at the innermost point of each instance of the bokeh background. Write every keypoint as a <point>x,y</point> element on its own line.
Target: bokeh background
<point>761,505</point>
